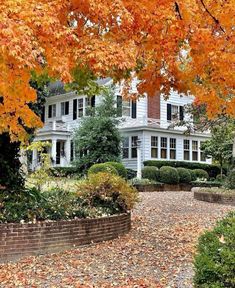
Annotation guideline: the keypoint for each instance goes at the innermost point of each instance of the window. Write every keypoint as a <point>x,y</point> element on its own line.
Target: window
<point>186,150</point>
<point>175,112</point>
<point>163,147</point>
<point>125,148</point>
<point>172,148</point>
<point>126,108</point>
<point>80,107</point>
<point>65,108</point>
<point>203,156</point>
<point>195,150</point>
<point>134,146</point>
<point>52,111</point>
<point>154,147</point>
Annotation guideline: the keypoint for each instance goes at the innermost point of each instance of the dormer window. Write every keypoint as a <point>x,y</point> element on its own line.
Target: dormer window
<point>52,111</point>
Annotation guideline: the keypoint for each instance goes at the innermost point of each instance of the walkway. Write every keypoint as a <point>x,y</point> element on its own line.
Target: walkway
<point>158,250</point>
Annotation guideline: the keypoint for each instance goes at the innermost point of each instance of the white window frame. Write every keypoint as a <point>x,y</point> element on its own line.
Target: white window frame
<point>173,147</point>
<point>195,150</point>
<point>53,111</point>
<point>164,147</point>
<point>154,145</point>
<point>186,149</point>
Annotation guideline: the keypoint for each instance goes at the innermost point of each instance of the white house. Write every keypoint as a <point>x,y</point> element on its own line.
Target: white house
<point>148,120</point>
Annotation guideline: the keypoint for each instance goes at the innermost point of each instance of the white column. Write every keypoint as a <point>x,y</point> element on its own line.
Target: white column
<point>68,151</point>
<point>34,159</point>
<point>139,174</point>
<point>53,152</point>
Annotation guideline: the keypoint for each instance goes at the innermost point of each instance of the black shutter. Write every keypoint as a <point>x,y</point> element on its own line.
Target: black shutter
<point>119,106</point>
<point>133,111</point>
<point>181,113</point>
<point>49,111</point>
<point>75,109</point>
<point>169,112</point>
<point>67,108</point>
<point>93,101</point>
<point>43,114</point>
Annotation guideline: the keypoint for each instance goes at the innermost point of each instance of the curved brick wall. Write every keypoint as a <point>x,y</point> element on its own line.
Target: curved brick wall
<point>215,198</point>
<point>17,240</point>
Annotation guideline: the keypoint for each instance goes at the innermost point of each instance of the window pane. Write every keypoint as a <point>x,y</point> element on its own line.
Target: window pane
<point>154,152</point>
<point>195,145</point>
<point>80,107</point>
<point>172,143</point>
<point>186,155</point>
<point>133,152</point>
<point>172,154</point>
<point>154,141</point>
<point>174,112</point>
<point>195,156</point>
<point>163,142</point>
<point>164,153</point>
<point>186,145</point>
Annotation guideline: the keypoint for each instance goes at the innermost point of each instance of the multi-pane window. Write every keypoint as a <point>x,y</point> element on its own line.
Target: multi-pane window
<point>186,150</point>
<point>154,147</point>
<point>125,148</point>
<point>174,112</point>
<point>64,108</point>
<point>163,147</point>
<point>134,140</point>
<point>195,150</point>
<point>52,111</point>
<point>126,108</point>
<point>80,107</point>
<point>203,156</point>
<point>172,148</point>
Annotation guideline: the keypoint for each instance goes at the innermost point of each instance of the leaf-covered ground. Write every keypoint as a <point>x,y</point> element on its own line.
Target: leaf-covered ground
<point>156,253</point>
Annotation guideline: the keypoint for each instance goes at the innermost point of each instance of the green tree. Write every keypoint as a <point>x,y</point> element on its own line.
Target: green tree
<point>98,139</point>
<point>220,146</point>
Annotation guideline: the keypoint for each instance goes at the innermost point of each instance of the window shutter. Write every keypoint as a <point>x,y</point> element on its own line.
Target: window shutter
<point>67,108</point>
<point>49,111</point>
<point>43,114</point>
<point>119,106</point>
<point>75,109</point>
<point>133,110</point>
<point>93,101</point>
<point>169,112</point>
<point>181,113</point>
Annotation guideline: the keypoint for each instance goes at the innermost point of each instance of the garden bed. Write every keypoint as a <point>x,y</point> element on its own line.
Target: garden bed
<point>160,187</point>
<point>214,195</point>
<point>18,240</point>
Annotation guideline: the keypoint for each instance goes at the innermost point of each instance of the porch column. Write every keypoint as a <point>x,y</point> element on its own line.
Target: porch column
<point>68,151</point>
<point>34,159</point>
<point>53,152</point>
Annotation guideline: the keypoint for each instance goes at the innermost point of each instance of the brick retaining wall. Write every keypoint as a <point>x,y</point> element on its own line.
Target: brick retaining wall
<point>162,187</point>
<point>17,240</point>
<point>215,198</point>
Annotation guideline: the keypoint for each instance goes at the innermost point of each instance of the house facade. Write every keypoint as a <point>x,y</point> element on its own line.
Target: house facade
<point>148,122</point>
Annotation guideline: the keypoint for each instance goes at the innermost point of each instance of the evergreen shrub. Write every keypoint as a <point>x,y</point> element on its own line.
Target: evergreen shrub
<point>184,175</point>
<point>169,175</point>
<point>102,167</point>
<point>151,173</point>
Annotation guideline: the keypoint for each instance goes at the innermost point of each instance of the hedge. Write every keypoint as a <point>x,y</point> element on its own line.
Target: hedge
<point>212,170</point>
<point>151,173</point>
<point>122,172</point>
<point>169,175</point>
<point>230,181</point>
<point>102,167</point>
<point>184,175</point>
<point>215,258</point>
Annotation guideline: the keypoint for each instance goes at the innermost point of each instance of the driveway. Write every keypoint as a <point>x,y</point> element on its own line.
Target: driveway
<point>156,253</point>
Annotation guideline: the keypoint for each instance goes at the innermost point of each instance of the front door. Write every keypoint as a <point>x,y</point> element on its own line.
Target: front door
<point>58,152</point>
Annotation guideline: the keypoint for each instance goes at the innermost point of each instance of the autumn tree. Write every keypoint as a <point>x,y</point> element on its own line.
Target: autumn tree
<point>187,45</point>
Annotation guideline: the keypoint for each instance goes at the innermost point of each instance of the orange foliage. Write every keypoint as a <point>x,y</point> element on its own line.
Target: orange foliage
<point>185,44</point>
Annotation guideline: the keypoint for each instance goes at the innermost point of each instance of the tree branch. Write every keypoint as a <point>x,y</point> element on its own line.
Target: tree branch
<point>212,16</point>
<point>177,9</point>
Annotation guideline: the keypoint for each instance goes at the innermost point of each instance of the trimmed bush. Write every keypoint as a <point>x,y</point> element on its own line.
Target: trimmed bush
<point>169,175</point>
<point>220,177</point>
<point>212,170</point>
<point>184,175</point>
<point>201,174</point>
<point>193,175</point>
<point>120,168</point>
<point>102,167</point>
<point>151,173</point>
<point>215,259</point>
<point>206,184</point>
<point>131,173</point>
<point>230,183</point>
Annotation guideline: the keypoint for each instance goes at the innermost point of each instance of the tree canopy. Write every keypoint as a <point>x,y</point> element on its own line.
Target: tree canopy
<point>187,45</point>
